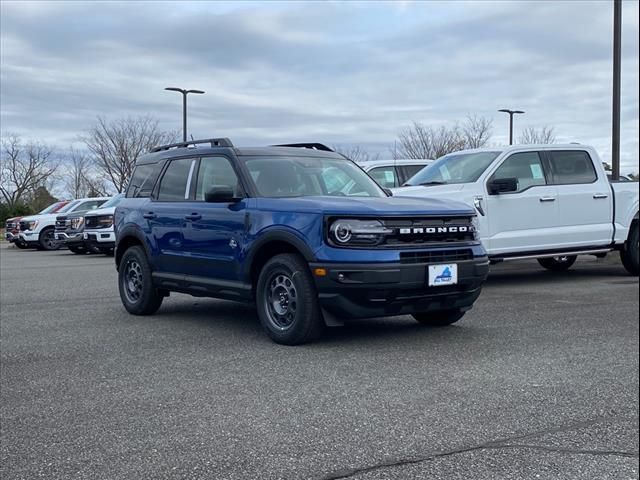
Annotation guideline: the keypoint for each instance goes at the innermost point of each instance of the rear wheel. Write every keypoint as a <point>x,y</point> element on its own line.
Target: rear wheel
<point>287,301</point>
<point>558,264</point>
<point>631,251</point>
<point>439,319</point>
<point>137,292</point>
<point>47,240</point>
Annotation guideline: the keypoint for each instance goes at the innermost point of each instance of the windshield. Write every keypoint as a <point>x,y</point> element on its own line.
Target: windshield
<point>310,176</point>
<point>454,168</point>
<point>68,206</point>
<point>49,208</point>
<point>113,201</point>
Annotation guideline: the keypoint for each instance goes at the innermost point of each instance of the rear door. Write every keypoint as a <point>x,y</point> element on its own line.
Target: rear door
<point>407,171</point>
<point>166,214</point>
<point>386,177</point>
<point>214,233</point>
<point>585,204</point>
<point>527,219</point>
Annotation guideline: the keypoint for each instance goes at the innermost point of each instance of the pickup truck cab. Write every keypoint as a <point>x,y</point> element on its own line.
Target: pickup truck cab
<point>550,202</point>
<point>98,227</point>
<point>393,173</point>
<point>38,231</point>
<point>271,225</point>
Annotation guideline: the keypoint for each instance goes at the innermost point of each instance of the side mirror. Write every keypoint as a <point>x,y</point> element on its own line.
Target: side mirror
<point>388,191</point>
<point>220,194</point>
<point>503,185</point>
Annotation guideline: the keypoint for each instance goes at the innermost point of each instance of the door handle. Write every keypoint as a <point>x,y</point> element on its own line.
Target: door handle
<point>193,216</point>
<point>600,195</point>
<point>547,199</point>
<point>149,215</point>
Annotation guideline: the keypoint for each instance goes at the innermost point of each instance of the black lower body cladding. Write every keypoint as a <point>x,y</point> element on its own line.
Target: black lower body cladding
<point>378,290</point>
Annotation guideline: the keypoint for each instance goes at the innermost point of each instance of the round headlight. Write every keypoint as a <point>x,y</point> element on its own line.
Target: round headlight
<point>341,232</point>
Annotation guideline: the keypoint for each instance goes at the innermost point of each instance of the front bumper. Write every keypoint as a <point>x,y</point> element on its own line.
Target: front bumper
<point>100,239</point>
<point>11,236</point>
<point>29,237</point>
<point>70,239</point>
<point>379,290</point>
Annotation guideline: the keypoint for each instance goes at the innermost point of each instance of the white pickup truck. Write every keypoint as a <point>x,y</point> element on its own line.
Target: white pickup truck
<point>549,202</point>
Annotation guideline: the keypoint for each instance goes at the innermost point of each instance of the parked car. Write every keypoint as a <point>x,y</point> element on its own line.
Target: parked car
<point>12,225</point>
<point>621,178</point>
<point>549,202</point>
<point>393,173</point>
<point>98,227</point>
<point>38,231</point>
<point>263,224</point>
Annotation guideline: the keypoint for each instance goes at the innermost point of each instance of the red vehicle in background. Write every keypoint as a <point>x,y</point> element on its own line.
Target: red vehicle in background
<point>12,225</point>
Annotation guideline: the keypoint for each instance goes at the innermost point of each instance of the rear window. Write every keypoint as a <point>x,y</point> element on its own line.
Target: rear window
<point>571,167</point>
<point>143,180</point>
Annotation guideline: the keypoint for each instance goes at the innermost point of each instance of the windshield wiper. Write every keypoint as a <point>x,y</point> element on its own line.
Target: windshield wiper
<point>432,183</point>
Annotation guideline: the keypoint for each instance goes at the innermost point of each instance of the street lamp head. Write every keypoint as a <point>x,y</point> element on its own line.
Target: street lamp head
<point>505,110</point>
<point>518,111</point>
<point>195,91</point>
<point>175,89</point>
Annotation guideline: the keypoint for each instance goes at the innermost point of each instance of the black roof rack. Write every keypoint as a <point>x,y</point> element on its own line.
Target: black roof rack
<point>214,142</point>
<point>313,146</point>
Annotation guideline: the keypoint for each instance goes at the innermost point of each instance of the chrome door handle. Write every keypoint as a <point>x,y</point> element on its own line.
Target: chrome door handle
<point>547,199</point>
<point>600,195</point>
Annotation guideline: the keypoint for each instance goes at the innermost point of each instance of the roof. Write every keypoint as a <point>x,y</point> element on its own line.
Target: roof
<point>369,164</point>
<point>518,148</point>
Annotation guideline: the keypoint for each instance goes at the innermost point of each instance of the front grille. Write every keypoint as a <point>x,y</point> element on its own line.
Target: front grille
<point>62,223</point>
<point>428,230</point>
<point>443,256</point>
<point>10,225</point>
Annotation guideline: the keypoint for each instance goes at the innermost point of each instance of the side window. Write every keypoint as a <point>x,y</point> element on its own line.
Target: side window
<point>384,176</point>
<point>174,185</point>
<point>143,180</point>
<point>216,171</point>
<point>89,205</point>
<point>410,170</point>
<point>571,166</point>
<point>525,166</point>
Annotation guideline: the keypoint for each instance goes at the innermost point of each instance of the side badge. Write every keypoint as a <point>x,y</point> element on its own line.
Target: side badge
<point>233,243</point>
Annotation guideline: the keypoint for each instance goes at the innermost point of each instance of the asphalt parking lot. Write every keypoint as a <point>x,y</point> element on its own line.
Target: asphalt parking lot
<point>539,380</point>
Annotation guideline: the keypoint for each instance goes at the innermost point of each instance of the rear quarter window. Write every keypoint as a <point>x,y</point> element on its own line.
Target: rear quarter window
<point>144,179</point>
<point>571,167</point>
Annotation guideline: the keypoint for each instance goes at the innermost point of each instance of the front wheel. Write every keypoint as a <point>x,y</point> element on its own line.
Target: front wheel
<point>558,264</point>
<point>21,245</point>
<point>631,251</point>
<point>439,319</point>
<point>137,292</point>
<point>287,301</point>
<point>78,250</point>
<point>47,240</point>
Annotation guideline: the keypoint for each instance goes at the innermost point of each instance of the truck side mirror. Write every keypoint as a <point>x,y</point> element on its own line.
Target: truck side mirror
<point>503,185</point>
<point>220,194</point>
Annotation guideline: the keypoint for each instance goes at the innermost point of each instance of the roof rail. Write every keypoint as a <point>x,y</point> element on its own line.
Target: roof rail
<point>312,146</point>
<point>214,142</point>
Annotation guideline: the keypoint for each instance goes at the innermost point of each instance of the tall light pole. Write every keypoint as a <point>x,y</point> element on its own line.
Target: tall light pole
<point>510,112</point>
<point>184,107</point>
<point>615,130</point>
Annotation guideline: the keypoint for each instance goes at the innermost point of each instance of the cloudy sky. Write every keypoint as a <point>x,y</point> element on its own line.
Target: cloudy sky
<point>342,73</point>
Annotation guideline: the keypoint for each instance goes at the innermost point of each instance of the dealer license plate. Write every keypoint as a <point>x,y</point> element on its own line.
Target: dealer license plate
<point>440,275</point>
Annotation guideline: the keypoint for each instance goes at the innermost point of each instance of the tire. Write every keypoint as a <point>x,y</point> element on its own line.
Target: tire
<point>630,252</point>
<point>558,264</point>
<point>287,301</point>
<point>47,241</point>
<point>106,251</point>
<point>21,245</point>
<point>137,292</point>
<point>78,250</point>
<point>439,319</point>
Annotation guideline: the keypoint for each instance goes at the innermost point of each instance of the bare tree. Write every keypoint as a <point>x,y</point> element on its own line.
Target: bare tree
<point>116,145</point>
<point>24,168</point>
<point>80,179</point>
<point>425,141</point>
<point>476,131</point>
<point>531,135</point>
<point>356,153</point>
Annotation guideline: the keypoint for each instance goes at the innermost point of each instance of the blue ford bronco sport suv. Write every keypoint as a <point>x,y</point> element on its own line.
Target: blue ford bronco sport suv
<point>298,229</point>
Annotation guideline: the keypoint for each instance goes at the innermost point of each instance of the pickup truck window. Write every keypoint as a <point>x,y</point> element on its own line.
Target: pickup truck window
<point>571,166</point>
<point>385,176</point>
<point>454,168</point>
<point>526,167</point>
<point>216,171</point>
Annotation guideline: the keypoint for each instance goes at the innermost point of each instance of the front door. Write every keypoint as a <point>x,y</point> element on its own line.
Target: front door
<point>524,220</point>
<point>214,235</point>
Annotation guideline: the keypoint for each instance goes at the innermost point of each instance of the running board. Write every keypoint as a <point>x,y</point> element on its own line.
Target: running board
<point>555,254</point>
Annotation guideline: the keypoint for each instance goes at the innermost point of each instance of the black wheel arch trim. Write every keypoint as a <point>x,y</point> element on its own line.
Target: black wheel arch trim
<point>277,236</point>
<point>130,231</point>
